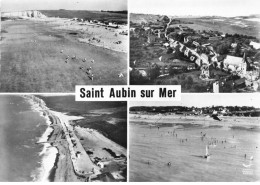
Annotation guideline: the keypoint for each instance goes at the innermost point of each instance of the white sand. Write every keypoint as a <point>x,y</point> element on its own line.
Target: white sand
<point>93,34</point>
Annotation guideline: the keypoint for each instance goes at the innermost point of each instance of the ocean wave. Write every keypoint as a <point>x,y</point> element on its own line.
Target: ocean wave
<point>49,152</point>
<point>46,135</point>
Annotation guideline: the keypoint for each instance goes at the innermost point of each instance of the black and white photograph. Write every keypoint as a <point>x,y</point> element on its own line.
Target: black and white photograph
<point>53,45</point>
<point>202,138</point>
<point>129,91</point>
<point>53,138</point>
<point>202,45</point>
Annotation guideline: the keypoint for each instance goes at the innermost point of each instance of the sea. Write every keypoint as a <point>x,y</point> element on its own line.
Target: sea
<point>159,155</point>
<point>22,125</point>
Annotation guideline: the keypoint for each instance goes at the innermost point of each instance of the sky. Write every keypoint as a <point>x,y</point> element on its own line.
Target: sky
<point>20,5</point>
<point>208,99</point>
<point>226,8</point>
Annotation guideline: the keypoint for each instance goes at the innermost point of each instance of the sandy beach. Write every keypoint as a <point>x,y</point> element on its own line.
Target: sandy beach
<point>171,148</point>
<point>32,49</point>
<point>93,33</point>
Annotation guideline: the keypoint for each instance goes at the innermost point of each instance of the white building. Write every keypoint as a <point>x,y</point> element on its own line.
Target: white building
<point>235,64</point>
<point>216,87</point>
<point>255,45</point>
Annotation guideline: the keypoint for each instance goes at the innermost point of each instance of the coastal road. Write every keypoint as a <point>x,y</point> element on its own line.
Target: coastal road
<point>32,61</point>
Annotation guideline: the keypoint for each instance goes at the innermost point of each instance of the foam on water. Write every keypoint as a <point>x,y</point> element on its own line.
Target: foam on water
<point>48,153</point>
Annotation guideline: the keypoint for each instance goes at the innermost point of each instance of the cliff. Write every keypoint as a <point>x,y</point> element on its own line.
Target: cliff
<point>24,14</point>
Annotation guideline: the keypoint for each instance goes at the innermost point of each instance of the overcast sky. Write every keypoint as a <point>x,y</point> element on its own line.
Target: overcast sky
<point>208,99</point>
<point>19,5</point>
<point>196,7</point>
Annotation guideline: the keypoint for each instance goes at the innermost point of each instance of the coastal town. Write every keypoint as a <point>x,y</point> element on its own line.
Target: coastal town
<point>244,111</point>
<point>93,157</point>
<point>177,51</point>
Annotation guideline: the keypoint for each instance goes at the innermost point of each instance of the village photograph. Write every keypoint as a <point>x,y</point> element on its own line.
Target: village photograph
<point>204,46</point>
<point>202,138</point>
<point>53,138</point>
<point>53,45</point>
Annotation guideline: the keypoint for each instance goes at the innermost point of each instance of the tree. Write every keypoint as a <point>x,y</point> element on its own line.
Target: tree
<point>223,49</point>
<point>174,82</point>
<point>237,50</point>
<point>154,72</point>
<point>136,78</point>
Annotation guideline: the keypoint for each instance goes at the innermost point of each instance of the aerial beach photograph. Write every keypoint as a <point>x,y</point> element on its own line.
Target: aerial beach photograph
<point>52,138</point>
<point>53,45</point>
<point>202,138</point>
<point>204,46</point>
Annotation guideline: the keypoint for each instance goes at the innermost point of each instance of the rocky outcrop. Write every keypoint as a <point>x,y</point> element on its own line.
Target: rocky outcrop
<point>24,14</point>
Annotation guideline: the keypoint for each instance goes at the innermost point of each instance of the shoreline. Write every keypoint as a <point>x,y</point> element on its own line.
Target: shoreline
<point>63,163</point>
<point>89,33</point>
<point>39,106</point>
<point>231,122</point>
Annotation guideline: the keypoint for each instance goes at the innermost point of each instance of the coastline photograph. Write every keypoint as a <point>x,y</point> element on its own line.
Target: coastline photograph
<point>47,138</point>
<point>204,46</point>
<point>53,45</point>
<point>202,138</point>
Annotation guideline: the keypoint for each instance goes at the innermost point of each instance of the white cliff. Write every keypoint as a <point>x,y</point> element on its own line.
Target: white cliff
<point>24,14</point>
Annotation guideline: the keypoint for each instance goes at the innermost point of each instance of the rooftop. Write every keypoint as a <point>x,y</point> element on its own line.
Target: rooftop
<point>231,60</point>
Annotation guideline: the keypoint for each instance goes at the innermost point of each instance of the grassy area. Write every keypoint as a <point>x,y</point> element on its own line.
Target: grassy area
<point>226,26</point>
<point>102,111</point>
<point>119,17</point>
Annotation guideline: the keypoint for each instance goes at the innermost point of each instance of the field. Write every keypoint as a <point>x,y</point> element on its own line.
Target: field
<point>239,25</point>
<point>225,25</point>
